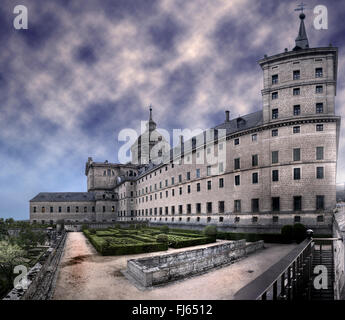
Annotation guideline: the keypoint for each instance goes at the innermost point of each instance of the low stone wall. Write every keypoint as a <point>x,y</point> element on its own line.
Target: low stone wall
<point>165,268</point>
<point>41,278</point>
<point>339,252</point>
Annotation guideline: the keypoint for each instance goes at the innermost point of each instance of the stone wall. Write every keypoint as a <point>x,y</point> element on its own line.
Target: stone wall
<point>165,268</point>
<point>339,251</point>
<point>41,278</point>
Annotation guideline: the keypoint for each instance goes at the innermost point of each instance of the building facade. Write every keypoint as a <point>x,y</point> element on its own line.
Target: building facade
<point>273,167</point>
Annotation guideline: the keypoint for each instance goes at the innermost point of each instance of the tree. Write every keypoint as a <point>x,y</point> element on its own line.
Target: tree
<point>11,255</point>
<point>28,238</point>
<point>210,231</point>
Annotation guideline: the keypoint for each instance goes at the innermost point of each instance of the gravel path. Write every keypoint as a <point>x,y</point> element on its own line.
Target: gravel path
<point>84,274</point>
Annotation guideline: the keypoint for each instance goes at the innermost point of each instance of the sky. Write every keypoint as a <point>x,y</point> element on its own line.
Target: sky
<point>85,70</point>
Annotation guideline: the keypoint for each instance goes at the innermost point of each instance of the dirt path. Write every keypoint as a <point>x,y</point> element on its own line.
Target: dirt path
<point>84,274</point>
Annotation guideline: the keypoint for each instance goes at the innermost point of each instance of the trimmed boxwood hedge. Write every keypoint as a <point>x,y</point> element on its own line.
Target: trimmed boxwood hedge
<point>175,243</point>
<point>251,237</point>
<point>108,247</point>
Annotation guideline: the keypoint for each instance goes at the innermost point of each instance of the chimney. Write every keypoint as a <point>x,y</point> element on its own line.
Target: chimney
<point>227,116</point>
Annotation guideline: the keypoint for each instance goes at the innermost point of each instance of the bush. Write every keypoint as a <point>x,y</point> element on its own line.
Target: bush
<point>299,232</point>
<point>287,233</point>
<point>182,243</point>
<point>210,231</point>
<point>92,231</point>
<point>164,229</point>
<point>162,238</point>
<point>84,227</point>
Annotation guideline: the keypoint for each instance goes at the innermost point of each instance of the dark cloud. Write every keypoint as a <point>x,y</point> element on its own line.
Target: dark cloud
<point>86,54</point>
<point>164,33</point>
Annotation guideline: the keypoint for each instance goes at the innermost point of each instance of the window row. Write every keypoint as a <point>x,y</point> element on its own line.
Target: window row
<point>297,110</point>
<point>296,75</point>
<point>69,209</point>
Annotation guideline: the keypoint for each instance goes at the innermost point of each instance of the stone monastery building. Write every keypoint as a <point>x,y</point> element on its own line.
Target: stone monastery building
<point>278,165</point>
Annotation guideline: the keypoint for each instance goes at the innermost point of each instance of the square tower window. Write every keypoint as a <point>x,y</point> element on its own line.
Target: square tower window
<point>255,178</point>
<point>275,133</point>
<point>275,79</point>
<point>296,91</point>
<point>296,110</point>
<point>319,127</point>
<point>236,141</point>
<point>274,113</point>
<point>237,163</point>
<point>296,74</point>
<point>319,89</point>
<point>319,108</point>
<point>274,95</point>
<point>318,73</point>
<point>320,202</point>
<point>297,129</point>
<point>255,205</point>
<point>254,160</point>
<point>319,153</point>
<point>237,180</point>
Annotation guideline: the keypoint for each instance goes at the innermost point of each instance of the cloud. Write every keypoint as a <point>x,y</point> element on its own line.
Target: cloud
<point>80,74</point>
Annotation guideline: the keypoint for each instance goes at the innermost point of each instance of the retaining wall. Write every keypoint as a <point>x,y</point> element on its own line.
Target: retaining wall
<point>165,268</point>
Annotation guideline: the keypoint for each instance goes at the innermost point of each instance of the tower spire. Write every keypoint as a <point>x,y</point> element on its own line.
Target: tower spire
<point>150,113</point>
<point>302,39</point>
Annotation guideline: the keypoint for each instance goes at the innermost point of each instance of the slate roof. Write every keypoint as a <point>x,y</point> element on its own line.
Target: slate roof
<point>63,197</point>
<point>247,121</point>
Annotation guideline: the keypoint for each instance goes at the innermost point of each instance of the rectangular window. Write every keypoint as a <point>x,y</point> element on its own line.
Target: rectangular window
<point>198,187</point>
<point>297,154</point>
<point>297,203</point>
<point>297,173</point>
<point>198,208</point>
<point>254,160</point>
<point>208,170</point>
<point>255,205</point>
<point>319,127</point>
<point>254,137</point>
<point>221,206</point>
<point>296,74</point>
<point>320,202</point>
<point>296,91</point>
<point>275,79</point>
<point>318,73</point>
<point>319,173</point>
<point>237,180</point>
<point>296,110</point>
<point>172,210</point>
<point>209,207</point>
<point>60,209</point>
<point>275,175</point>
<point>275,133</point>
<point>274,95</point>
<point>166,182</point>
<point>180,178</point>
<point>209,185</point>
<point>237,205</point>
<point>189,208</point>
<point>319,89</point>
<point>237,164</point>
<point>319,108</point>
<point>274,113</point>
<point>319,153</point>
<point>255,178</point>
<point>51,209</point>
<point>172,180</point>
<point>180,190</point>
<point>173,192</point>
<point>236,141</point>
<point>221,168</point>
<point>180,209</point>
<point>275,204</point>
<point>188,175</point>
<point>275,156</point>
<point>197,173</point>
<point>296,129</point>
<point>188,188</point>
<point>221,182</point>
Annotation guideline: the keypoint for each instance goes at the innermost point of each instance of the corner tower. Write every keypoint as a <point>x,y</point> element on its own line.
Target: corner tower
<point>301,82</point>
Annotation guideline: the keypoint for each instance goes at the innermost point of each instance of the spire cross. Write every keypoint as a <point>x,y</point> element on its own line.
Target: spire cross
<point>301,7</point>
<point>150,112</point>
